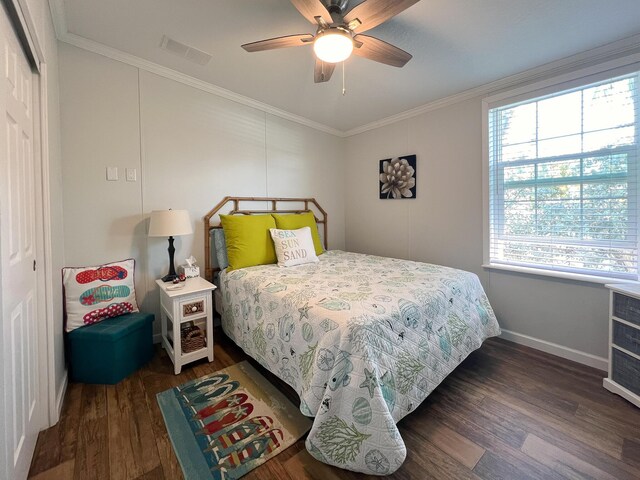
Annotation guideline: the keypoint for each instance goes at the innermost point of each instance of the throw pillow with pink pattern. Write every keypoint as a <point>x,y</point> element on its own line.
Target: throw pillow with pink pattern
<point>93,294</point>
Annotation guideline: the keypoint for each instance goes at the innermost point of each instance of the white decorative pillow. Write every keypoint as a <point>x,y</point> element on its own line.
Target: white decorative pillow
<point>93,294</point>
<point>293,247</point>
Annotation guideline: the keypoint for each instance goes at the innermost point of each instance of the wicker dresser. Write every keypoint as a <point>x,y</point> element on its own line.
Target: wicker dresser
<point>624,342</point>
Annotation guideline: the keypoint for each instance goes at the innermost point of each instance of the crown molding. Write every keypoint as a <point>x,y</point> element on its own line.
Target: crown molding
<point>60,23</point>
<point>59,17</point>
<point>615,50</point>
<point>114,54</point>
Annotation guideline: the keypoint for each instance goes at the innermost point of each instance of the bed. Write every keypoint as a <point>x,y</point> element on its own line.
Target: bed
<point>362,339</point>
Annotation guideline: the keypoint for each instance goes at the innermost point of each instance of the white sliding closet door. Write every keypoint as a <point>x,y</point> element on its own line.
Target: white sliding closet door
<point>18,336</point>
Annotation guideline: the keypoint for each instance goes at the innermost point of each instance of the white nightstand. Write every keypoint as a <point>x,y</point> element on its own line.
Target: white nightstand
<point>192,303</point>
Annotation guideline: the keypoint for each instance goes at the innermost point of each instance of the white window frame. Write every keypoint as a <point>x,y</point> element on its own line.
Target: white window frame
<point>575,79</point>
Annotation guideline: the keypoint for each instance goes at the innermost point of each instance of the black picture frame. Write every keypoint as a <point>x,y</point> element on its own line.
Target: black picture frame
<point>398,178</point>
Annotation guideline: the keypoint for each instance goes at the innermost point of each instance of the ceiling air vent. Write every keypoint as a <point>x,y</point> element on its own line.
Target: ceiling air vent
<point>185,51</point>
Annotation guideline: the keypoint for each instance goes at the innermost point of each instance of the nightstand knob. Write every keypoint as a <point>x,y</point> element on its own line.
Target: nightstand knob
<point>194,309</point>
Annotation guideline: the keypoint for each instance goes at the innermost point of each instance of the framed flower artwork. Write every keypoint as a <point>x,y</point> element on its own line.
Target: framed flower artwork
<point>398,177</point>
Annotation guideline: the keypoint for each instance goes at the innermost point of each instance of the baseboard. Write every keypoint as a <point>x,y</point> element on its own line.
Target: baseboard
<point>61,394</point>
<point>558,350</point>
<point>620,390</point>
<point>548,347</point>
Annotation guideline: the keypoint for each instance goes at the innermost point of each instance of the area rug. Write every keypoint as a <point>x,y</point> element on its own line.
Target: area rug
<point>226,424</point>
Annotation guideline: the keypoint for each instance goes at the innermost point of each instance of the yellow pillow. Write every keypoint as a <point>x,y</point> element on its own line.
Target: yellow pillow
<point>248,240</point>
<point>298,220</point>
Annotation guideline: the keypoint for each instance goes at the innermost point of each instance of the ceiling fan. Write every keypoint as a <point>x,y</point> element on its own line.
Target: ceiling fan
<point>340,33</point>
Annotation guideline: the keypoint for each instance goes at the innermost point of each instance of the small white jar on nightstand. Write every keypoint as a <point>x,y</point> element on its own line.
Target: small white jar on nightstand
<point>189,304</point>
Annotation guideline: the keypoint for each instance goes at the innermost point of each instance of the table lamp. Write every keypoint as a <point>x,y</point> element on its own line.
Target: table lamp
<point>170,223</point>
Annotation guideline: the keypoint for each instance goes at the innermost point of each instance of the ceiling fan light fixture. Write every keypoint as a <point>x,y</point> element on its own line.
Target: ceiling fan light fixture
<point>333,45</point>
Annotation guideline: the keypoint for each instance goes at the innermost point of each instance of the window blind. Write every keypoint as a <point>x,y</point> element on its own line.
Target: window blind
<point>563,180</point>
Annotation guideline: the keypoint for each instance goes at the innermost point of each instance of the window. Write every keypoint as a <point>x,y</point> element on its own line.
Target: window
<point>563,181</point>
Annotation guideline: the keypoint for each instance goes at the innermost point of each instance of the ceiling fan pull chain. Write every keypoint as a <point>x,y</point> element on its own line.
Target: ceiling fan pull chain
<point>344,85</point>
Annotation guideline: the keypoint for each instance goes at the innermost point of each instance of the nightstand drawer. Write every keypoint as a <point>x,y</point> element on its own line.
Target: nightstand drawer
<point>192,308</point>
<point>626,337</point>
<point>625,370</point>
<point>626,308</point>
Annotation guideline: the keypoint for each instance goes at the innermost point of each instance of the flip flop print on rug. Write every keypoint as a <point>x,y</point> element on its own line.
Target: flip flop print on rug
<point>226,424</point>
<point>199,385</point>
<point>226,418</point>
<point>254,449</point>
<point>104,274</point>
<point>224,441</point>
<point>230,401</point>
<point>205,395</point>
<point>113,310</point>
<point>104,293</point>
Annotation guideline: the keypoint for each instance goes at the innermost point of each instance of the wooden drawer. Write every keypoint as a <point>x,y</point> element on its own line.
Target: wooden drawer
<point>193,308</point>
<point>626,337</point>
<point>626,308</point>
<point>625,370</point>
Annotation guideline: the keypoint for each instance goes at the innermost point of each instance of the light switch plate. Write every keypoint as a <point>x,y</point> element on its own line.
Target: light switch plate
<point>112,174</point>
<point>132,175</point>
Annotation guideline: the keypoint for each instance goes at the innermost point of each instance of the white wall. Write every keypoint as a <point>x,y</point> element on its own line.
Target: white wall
<point>100,127</point>
<point>190,149</point>
<point>443,225</point>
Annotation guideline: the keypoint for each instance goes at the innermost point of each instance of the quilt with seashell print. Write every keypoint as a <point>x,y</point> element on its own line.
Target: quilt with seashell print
<point>362,339</point>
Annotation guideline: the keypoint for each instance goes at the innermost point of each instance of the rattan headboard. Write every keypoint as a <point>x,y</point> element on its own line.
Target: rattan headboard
<point>236,209</point>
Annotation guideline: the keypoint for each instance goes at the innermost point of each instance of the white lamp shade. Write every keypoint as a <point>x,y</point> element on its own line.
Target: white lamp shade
<point>170,223</point>
<point>333,46</point>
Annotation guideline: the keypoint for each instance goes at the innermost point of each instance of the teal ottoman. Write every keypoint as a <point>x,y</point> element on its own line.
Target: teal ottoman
<point>111,350</point>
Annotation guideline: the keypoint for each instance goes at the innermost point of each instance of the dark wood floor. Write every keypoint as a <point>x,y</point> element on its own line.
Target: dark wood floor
<point>508,412</point>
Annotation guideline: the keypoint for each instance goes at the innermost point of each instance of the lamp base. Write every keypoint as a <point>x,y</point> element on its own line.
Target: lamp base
<point>169,278</point>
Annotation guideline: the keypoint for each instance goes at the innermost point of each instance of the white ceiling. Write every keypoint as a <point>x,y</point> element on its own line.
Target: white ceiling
<point>456,45</point>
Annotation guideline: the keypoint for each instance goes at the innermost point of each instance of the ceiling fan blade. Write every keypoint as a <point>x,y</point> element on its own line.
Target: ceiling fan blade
<point>381,51</point>
<point>323,71</point>
<point>279,42</point>
<point>372,13</point>
<point>311,9</point>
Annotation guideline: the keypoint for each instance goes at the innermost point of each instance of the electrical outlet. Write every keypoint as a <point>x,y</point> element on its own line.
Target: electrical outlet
<point>112,174</point>
<point>132,175</point>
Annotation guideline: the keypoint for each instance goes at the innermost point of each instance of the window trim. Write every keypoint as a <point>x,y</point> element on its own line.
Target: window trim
<point>567,81</point>
<point>540,272</point>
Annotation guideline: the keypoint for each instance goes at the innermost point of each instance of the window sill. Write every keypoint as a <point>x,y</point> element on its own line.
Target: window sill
<point>563,275</point>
